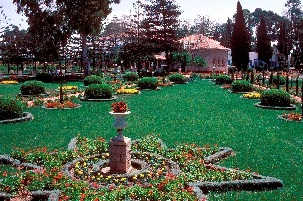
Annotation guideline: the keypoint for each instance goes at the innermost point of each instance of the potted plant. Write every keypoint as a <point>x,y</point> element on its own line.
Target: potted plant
<point>119,110</point>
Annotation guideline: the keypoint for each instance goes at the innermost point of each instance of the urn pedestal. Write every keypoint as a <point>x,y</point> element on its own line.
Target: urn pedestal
<point>120,146</point>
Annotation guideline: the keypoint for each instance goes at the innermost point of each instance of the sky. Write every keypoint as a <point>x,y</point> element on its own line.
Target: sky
<point>215,10</point>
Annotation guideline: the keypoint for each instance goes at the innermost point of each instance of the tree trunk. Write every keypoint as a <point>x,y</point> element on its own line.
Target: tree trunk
<point>85,60</point>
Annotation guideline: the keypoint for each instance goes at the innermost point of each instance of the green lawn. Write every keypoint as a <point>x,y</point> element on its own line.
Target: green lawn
<point>198,112</point>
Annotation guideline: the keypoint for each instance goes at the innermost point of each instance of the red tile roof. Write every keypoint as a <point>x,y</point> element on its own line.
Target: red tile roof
<point>198,41</point>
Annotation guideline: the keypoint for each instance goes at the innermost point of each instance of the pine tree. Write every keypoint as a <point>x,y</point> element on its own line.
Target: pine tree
<point>161,25</point>
<point>263,43</point>
<point>240,41</point>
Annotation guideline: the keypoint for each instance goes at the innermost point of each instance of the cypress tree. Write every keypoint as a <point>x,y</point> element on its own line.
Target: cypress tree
<point>240,41</point>
<point>263,43</point>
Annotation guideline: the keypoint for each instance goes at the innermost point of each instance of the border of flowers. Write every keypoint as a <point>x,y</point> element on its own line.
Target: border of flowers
<point>98,100</point>
<point>291,107</point>
<point>26,116</point>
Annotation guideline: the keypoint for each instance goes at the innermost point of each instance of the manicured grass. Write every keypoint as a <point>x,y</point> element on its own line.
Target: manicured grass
<point>198,112</point>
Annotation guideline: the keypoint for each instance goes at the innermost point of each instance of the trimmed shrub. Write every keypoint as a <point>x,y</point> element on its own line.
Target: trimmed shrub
<point>32,87</point>
<point>282,80</point>
<point>93,79</point>
<point>275,97</point>
<point>223,79</point>
<point>241,86</point>
<point>44,77</point>
<point>177,78</point>
<point>98,91</point>
<point>131,76</point>
<point>147,83</point>
<point>10,108</point>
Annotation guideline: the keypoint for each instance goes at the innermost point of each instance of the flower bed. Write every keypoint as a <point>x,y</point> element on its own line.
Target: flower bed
<point>252,95</point>
<point>9,82</point>
<point>292,117</point>
<point>128,91</point>
<point>185,172</point>
<point>69,88</point>
<point>57,105</point>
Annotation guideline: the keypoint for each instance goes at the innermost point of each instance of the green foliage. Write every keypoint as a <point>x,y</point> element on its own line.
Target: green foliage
<point>223,79</point>
<point>241,86</point>
<point>93,79</point>
<point>275,97</point>
<point>147,83</point>
<point>131,76</point>
<point>44,77</point>
<point>200,62</point>
<point>10,108</point>
<point>282,80</point>
<point>177,78</point>
<point>32,87</point>
<point>101,91</point>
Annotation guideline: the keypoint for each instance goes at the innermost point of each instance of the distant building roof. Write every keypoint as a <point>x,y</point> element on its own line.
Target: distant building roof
<point>198,41</point>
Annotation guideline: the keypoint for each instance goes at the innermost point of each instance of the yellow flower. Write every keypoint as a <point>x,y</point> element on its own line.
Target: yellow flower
<point>69,88</point>
<point>9,82</point>
<point>127,91</point>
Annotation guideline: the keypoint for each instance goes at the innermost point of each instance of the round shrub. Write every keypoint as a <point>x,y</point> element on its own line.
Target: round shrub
<point>223,79</point>
<point>177,78</point>
<point>275,97</point>
<point>93,79</point>
<point>98,91</point>
<point>32,87</point>
<point>131,76</point>
<point>282,80</point>
<point>44,77</point>
<point>147,83</point>
<point>241,86</point>
<point>10,108</point>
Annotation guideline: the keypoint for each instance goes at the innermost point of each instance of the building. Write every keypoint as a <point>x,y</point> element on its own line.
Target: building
<point>210,50</point>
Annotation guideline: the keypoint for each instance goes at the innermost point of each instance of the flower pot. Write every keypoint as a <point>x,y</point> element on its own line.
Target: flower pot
<point>120,123</point>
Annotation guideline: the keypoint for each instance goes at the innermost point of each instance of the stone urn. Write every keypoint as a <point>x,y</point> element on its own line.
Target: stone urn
<point>119,123</point>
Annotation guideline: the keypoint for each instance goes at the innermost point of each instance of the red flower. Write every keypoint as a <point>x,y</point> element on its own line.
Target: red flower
<point>120,107</point>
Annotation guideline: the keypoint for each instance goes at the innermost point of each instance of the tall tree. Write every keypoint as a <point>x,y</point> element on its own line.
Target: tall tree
<point>240,41</point>
<point>161,24</point>
<point>82,16</point>
<point>226,33</point>
<point>263,43</point>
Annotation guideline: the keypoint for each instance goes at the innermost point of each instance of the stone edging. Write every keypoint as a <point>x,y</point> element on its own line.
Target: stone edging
<point>26,116</point>
<point>258,182</point>
<point>98,100</point>
<point>291,107</point>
